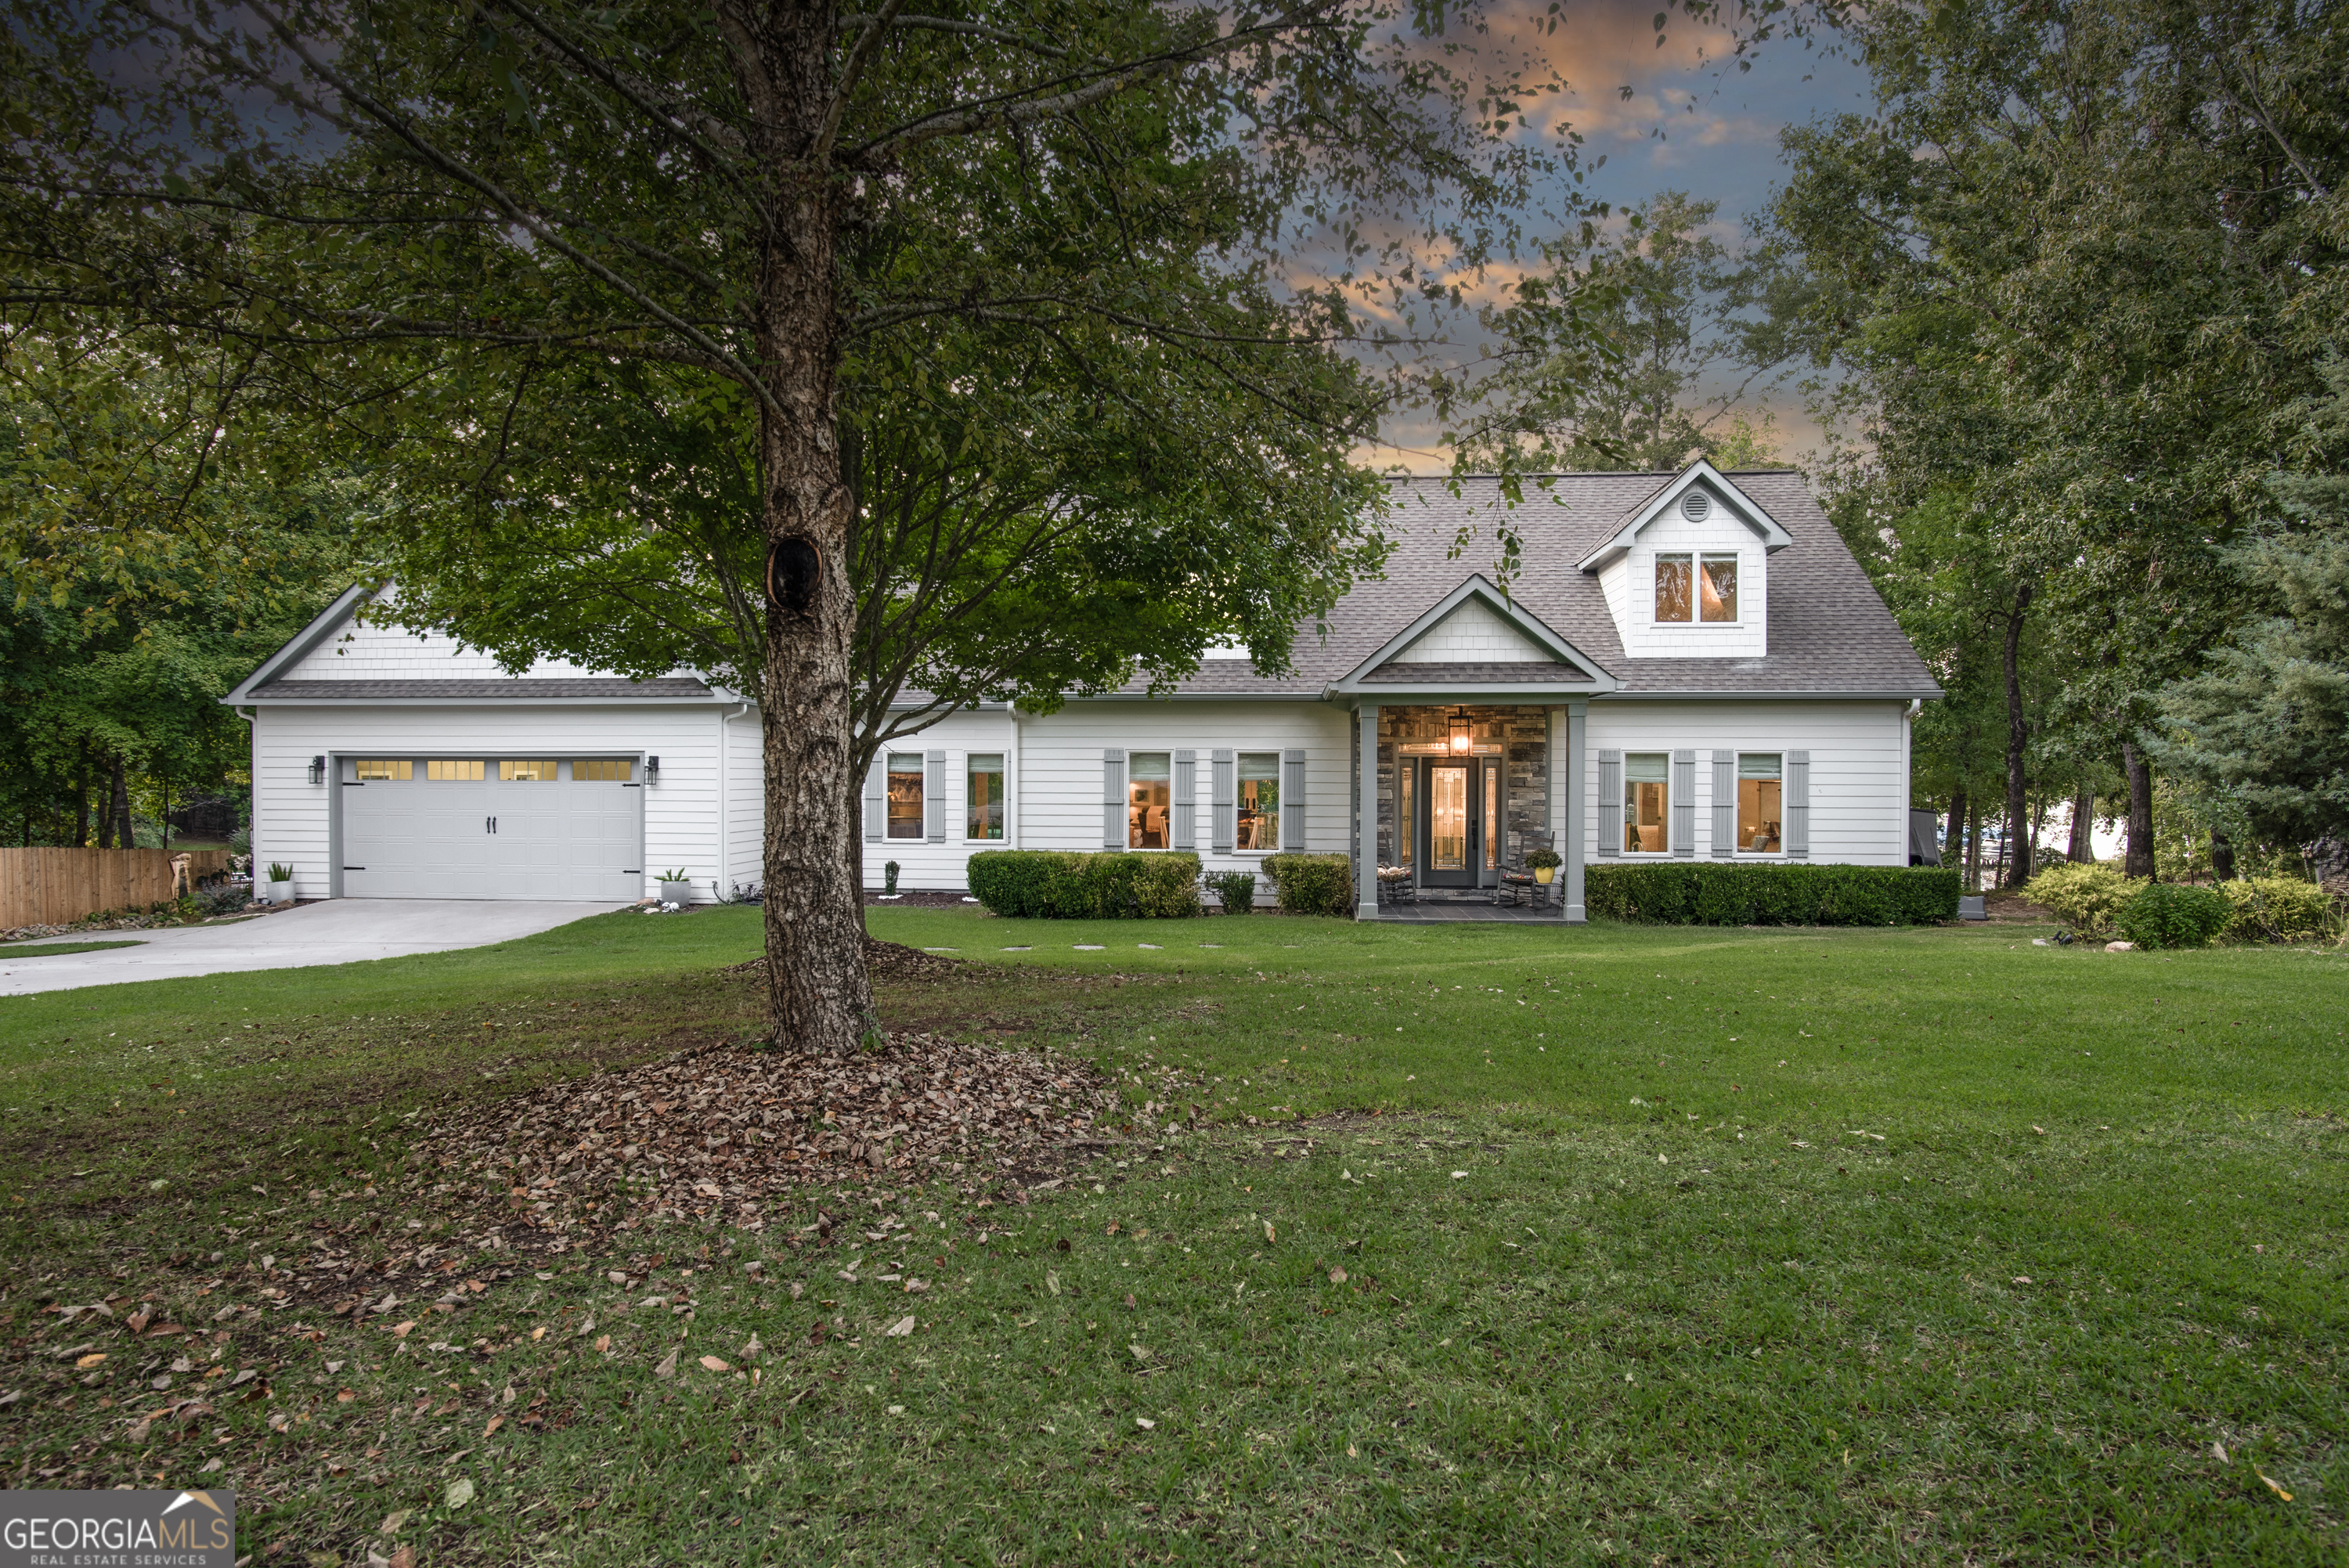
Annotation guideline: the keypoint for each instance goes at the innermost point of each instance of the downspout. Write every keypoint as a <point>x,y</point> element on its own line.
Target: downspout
<point>724,883</point>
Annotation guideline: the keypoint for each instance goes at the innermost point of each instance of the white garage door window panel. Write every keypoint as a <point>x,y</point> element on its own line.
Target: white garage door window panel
<point>564,838</point>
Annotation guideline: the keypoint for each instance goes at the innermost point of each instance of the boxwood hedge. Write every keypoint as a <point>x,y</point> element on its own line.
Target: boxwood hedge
<point>1711,894</point>
<point>1312,884</point>
<point>1054,884</point>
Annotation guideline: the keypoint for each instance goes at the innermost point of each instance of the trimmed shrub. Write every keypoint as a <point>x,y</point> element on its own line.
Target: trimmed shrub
<point>2278,909</point>
<point>1236,889</point>
<point>1702,893</point>
<point>2174,914</point>
<point>2084,897</point>
<point>1312,884</point>
<point>1054,884</point>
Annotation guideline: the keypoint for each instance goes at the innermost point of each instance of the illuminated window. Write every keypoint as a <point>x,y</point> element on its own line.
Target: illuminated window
<point>463,769</point>
<point>1672,595</point>
<point>1406,825</point>
<point>905,794</point>
<point>1717,591</point>
<point>601,771</point>
<point>1149,798</point>
<point>1493,824</point>
<point>526,772</point>
<point>1259,800</point>
<point>396,768</point>
<point>986,796</point>
<point>1759,801</point>
<point>1646,776</point>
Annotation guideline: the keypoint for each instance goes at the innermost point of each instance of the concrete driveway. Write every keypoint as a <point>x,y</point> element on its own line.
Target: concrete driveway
<point>337,931</point>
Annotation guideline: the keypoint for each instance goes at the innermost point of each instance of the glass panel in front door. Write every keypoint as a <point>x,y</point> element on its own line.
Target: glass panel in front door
<point>1447,818</point>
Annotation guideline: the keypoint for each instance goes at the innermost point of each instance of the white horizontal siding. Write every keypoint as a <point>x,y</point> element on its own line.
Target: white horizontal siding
<point>1472,634</point>
<point>930,867</point>
<point>746,801</point>
<point>1859,785</point>
<point>293,818</point>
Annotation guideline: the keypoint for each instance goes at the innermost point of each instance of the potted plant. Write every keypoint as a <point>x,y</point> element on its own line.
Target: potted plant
<point>675,887</point>
<point>279,888</point>
<point>1543,864</point>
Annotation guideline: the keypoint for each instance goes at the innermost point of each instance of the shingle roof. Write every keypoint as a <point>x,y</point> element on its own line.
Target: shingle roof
<point>553,688</point>
<point>1829,631</point>
<point>1430,675</point>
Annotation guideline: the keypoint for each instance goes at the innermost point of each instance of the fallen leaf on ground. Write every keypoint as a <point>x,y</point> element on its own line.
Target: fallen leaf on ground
<point>91,1360</point>
<point>2273,1486</point>
<point>667,1365</point>
<point>899,1329</point>
<point>460,1493</point>
<point>1337,1276</point>
<point>711,1364</point>
<point>392,1523</point>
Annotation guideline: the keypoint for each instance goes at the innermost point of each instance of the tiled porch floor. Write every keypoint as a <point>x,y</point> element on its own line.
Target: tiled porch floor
<point>1448,907</point>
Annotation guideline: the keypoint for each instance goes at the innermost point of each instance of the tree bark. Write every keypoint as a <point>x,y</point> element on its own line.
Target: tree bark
<point>2222,857</point>
<point>123,834</point>
<point>1973,846</point>
<point>818,993</point>
<point>1953,843</point>
<point>2138,862</point>
<point>2082,847</point>
<point>2017,854</point>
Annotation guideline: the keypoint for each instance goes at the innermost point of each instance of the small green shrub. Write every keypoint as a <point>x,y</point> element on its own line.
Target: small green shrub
<point>1711,893</point>
<point>1312,884</point>
<point>889,876</point>
<point>2084,897</point>
<point>2278,909</point>
<point>1539,860</point>
<point>1236,889</point>
<point>2174,914</point>
<point>280,873</point>
<point>1054,884</point>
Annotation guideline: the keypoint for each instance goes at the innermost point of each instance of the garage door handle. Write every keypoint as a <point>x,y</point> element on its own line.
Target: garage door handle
<point>491,824</point>
<point>355,868</point>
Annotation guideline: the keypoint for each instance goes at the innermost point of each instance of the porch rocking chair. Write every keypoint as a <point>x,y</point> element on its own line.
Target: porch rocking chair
<point>1396,886</point>
<point>1517,885</point>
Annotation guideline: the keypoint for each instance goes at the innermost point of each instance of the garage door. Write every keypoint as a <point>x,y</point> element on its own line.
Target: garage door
<point>495,827</point>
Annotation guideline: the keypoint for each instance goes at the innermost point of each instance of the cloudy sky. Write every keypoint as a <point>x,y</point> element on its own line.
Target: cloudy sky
<point>1693,122</point>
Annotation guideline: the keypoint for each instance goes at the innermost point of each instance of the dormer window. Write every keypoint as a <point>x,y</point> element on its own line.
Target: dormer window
<point>1691,587</point>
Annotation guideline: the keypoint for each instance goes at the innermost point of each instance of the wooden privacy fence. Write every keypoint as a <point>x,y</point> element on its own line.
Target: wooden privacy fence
<point>51,887</point>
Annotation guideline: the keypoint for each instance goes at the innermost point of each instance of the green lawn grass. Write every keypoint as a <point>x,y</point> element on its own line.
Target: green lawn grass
<point>1609,1245</point>
<point>52,949</point>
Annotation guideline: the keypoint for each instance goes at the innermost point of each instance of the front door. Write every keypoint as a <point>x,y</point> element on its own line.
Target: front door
<point>1451,824</point>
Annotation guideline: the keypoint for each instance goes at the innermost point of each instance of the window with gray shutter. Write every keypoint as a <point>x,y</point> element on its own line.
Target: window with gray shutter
<point>1611,804</point>
<point>1684,803</point>
<point>876,799</point>
<point>934,797</point>
<point>1224,800</point>
<point>1292,802</point>
<point>1186,801</point>
<point>1724,804</point>
<point>1798,805</point>
<point>1112,799</point>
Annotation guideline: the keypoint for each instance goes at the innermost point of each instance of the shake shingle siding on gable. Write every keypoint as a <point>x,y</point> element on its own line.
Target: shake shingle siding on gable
<point>1830,634</point>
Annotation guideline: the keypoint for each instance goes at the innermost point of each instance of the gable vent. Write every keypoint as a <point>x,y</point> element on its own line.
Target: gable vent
<point>1696,506</point>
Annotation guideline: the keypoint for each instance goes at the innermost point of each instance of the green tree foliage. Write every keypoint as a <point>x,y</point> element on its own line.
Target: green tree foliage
<point>2266,725</point>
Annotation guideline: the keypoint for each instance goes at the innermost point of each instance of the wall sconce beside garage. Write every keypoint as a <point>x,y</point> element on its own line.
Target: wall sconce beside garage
<point>652,769</point>
<point>317,770</point>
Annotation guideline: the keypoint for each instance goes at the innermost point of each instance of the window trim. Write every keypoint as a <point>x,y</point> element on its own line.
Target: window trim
<point>1655,595</point>
<point>1130,847</point>
<point>1736,559</point>
<point>920,772</point>
<point>1240,779</point>
<point>1001,800</point>
<point>1665,852</point>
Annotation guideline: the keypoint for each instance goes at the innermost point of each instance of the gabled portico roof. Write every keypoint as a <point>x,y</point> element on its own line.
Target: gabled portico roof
<point>1381,678</point>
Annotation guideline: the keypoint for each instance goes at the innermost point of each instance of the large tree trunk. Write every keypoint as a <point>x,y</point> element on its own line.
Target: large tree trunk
<point>81,805</point>
<point>123,835</point>
<point>1953,843</point>
<point>2018,735</point>
<point>2082,847</point>
<point>819,996</point>
<point>2138,862</point>
<point>1973,846</point>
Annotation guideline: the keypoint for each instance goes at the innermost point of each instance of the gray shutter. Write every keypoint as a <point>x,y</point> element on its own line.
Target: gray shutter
<point>877,799</point>
<point>934,797</point>
<point>1610,804</point>
<point>1724,804</point>
<point>1292,802</point>
<point>1684,802</point>
<point>1186,801</point>
<point>1798,805</point>
<point>1224,801</point>
<point>1112,799</point>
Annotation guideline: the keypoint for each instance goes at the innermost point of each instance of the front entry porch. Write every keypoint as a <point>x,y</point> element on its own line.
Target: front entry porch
<point>1450,799</point>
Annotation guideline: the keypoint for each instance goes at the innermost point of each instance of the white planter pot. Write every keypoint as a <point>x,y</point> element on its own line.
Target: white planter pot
<point>278,892</point>
<point>677,892</point>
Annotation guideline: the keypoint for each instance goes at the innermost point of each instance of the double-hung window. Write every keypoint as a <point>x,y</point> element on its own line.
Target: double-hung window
<point>905,794</point>
<point>985,796</point>
<point>1647,786</point>
<point>1691,587</point>
<point>1149,800</point>
<point>1760,802</point>
<point>1259,801</point>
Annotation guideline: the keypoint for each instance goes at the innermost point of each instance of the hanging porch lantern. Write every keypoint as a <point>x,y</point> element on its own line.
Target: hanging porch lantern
<point>1460,736</point>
